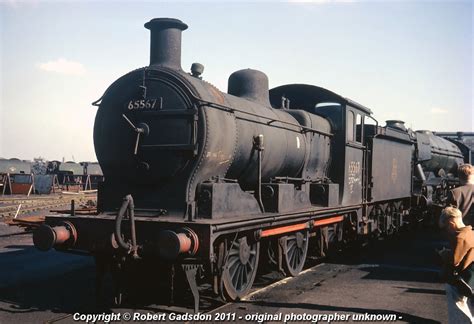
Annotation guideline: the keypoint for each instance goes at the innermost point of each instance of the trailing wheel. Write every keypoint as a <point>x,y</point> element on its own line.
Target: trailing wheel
<point>240,268</point>
<point>294,248</point>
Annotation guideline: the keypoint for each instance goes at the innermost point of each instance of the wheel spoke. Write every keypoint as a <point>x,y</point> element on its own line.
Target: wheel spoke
<point>233,268</point>
<point>244,276</point>
<point>233,252</point>
<point>251,258</point>
<point>298,257</point>
<point>241,277</point>
<point>236,279</point>
<point>291,244</point>
<point>233,261</point>
<point>250,265</point>
<point>294,259</point>
<point>291,254</point>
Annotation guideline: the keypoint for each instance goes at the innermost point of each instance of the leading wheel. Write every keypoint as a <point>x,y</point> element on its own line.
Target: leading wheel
<point>294,249</point>
<point>239,269</point>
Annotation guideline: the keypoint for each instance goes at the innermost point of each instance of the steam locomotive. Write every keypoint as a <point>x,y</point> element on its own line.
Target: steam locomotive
<point>216,180</point>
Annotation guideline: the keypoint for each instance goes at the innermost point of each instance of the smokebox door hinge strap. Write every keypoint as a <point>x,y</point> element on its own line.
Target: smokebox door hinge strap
<point>143,86</point>
<point>98,101</point>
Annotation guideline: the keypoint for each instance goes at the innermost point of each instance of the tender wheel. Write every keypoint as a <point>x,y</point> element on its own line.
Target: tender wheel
<point>294,249</point>
<point>239,269</point>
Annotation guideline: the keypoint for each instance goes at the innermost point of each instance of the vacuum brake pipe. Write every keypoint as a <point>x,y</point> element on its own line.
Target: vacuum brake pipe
<point>127,205</point>
<point>170,243</point>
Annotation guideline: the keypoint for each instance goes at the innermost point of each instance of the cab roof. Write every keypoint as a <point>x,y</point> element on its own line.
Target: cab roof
<point>308,96</point>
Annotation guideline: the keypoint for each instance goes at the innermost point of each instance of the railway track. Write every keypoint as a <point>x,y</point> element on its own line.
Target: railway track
<point>15,206</point>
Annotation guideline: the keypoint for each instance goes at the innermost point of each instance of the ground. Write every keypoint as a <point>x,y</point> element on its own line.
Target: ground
<point>396,276</point>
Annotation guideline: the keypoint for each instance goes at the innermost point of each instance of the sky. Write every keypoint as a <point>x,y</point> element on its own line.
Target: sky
<point>408,60</point>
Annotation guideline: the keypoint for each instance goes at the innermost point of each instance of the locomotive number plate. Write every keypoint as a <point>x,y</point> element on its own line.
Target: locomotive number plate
<point>145,104</point>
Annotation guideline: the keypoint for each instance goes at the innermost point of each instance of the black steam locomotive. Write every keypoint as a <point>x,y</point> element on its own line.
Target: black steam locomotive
<point>215,180</point>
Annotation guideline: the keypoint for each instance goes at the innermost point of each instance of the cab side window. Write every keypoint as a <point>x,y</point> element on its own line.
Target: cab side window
<point>350,126</point>
<point>359,128</point>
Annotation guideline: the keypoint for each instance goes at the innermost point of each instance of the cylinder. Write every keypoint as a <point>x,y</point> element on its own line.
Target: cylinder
<point>165,42</point>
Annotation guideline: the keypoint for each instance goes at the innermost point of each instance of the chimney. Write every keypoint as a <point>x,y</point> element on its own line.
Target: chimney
<point>165,46</point>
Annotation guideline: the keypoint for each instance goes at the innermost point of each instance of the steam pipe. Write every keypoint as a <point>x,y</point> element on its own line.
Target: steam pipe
<point>420,173</point>
<point>258,144</point>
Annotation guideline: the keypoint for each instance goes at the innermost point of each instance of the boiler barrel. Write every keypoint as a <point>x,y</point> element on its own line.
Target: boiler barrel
<point>436,153</point>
